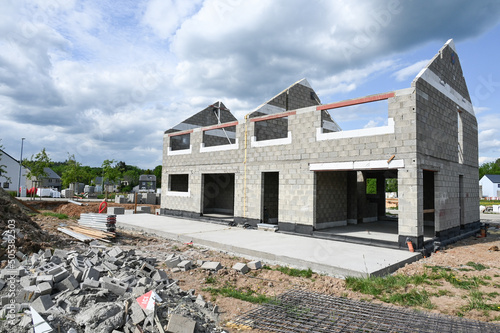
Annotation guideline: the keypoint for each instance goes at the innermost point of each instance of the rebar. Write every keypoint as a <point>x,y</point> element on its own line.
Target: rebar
<point>304,311</point>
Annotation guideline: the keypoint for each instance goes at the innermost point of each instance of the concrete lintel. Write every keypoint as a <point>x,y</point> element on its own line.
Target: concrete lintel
<point>231,146</point>
<point>171,152</point>
<point>357,165</point>
<point>178,194</point>
<point>274,142</point>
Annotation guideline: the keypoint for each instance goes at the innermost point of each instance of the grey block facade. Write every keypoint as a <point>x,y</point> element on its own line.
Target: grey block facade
<point>297,168</point>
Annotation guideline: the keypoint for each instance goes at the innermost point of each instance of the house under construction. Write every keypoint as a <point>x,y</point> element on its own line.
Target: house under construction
<point>289,163</point>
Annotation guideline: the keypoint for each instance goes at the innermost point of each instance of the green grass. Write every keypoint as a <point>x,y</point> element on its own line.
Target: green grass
<point>246,294</point>
<point>489,202</point>
<point>58,215</point>
<point>394,288</point>
<point>412,298</point>
<point>307,273</point>
<point>477,301</point>
<point>210,280</point>
<point>477,266</point>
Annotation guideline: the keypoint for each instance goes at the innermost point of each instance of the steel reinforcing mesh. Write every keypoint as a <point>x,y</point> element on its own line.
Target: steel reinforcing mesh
<point>304,311</point>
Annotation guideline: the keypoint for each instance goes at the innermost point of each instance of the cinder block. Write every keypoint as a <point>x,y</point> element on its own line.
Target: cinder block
<point>146,270</point>
<point>172,262</point>
<point>254,264</point>
<point>144,209</point>
<point>115,252</point>
<point>68,283</point>
<point>180,324</point>
<point>241,267</point>
<point>160,275</point>
<point>200,301</point>
<point>91,273</point>
<point>27,281</point>
<point>45,288</point>
<point>137,314</point>
<point>184,265</point>
<point>45,278</point>
<point>90,284</point>
<point>42,304</point>
<point>115,286</point>
<point>211,265</point>
<point>116,210</point>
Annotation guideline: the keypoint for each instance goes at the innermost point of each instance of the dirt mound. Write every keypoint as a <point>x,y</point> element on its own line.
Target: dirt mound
<point>73,210</point>
<point>14,221</point>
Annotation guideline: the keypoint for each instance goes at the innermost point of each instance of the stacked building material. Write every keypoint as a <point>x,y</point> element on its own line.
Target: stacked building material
<point>102,222</point>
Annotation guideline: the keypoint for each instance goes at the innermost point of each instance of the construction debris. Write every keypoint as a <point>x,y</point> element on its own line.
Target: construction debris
<point>99,289</point>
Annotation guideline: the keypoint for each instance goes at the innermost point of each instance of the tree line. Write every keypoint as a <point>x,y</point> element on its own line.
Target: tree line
<point>72,171</point>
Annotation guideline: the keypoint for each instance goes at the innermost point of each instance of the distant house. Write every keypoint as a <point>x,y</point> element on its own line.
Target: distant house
<point>107,185</point>
<point>147,182</point>
<point>490,185</point>
<point>10,179</point>
<point>52,180</point>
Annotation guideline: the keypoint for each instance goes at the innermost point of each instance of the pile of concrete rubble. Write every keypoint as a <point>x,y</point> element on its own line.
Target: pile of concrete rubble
<point>100,289</point>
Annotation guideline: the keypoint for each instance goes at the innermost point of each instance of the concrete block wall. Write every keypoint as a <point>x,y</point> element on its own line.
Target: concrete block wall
<point>425,137</point>
<point>331,198</point>
<point>439,135</point>
<point>271,129</point>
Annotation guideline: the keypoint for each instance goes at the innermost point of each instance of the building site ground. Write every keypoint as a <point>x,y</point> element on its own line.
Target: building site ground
<point>461,280</point>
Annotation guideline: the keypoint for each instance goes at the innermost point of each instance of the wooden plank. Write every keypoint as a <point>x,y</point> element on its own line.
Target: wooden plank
<point>429,211</point>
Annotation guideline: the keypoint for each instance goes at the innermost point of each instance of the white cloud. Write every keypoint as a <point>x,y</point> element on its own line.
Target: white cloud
<point>166,16</point>
<point>105,80</point>
<point>410,71</point>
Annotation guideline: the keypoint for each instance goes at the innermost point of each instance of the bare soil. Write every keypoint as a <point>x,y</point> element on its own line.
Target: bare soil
<point>445,297</point>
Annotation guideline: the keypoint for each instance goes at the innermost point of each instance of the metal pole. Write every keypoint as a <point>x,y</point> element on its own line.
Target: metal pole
<point>20,161</point>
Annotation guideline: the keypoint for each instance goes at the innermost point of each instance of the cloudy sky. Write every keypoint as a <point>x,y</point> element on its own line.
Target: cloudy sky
<point>103,79</point>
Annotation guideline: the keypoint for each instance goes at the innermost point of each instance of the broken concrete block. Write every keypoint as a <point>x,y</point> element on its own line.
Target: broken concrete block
<point>115,252</point>
<point>176,269</point>
<point>69,283</point>
<point>90,284</point>
<point>146,270</point>
<point>103,317</point>
<point>254,264</point>
<point>200,301</point>
<point>172,262</point>
<point>2,284</point>
<point>45,288</point>
<point>212,266</point>
<point>8,272</point>
<point>45,278</point>
<point>110,266</point>
<point>91,273</point>
<point>180,324</point>
<point>20,255</point>
<point>200,262</point>
<point>60,253</point>
<point>160,275</point>
<point>28,294</point>
<point>115,286</point>
<point>143,281</point>
<point>241,267</point>
<point>42,304</point>
<point>184,265</point>
<point>27,281</point>
<point>137,314</point>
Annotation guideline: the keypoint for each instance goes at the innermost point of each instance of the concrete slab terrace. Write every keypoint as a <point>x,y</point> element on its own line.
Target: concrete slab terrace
<point>323,256</point>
